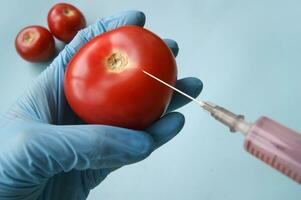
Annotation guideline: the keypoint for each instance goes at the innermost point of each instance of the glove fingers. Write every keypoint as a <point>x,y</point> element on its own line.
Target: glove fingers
<point>105,24</point>
<point>173,46</point>
<point>166,128</point>
<point>192,86</point>
<point>132,17</point>
<point>162,131</point>
<point>81,147</point>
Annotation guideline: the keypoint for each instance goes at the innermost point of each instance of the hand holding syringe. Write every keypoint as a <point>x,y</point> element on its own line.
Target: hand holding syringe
<point>271,142</point>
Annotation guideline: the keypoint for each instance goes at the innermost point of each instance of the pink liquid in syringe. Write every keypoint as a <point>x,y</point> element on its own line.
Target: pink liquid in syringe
<point>276,145</point>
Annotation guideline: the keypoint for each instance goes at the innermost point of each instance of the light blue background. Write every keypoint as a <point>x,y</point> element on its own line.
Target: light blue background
<point>248,54</point>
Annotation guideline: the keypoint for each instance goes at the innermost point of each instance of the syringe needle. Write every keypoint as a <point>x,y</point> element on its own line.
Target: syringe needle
<point>201,103</point>
<point>233,121</point>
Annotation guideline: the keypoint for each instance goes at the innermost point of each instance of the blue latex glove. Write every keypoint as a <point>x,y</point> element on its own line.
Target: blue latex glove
<point>46,154</point>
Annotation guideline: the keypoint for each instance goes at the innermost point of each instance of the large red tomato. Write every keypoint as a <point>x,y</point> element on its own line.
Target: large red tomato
<point>35,44</point>
<point>104,82</point>
<point>64,21</point>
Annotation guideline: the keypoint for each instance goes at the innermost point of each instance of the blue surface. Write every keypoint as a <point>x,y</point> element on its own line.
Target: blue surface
<point>248,55</point>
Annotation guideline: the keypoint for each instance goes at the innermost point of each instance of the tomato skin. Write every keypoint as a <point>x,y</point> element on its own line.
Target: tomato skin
<point>127,98</point>
<point>64,21</point>
<point>35,44</point>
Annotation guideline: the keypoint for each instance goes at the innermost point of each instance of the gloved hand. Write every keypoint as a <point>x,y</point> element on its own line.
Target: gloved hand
<point>44,151</point>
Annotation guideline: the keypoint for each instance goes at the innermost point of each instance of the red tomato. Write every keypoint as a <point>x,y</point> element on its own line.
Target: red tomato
<point>104,82</point>
<point>64,21</point>
<point>35,44</point>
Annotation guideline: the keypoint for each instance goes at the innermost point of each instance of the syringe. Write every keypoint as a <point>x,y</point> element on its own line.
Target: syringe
<point>266,139</point>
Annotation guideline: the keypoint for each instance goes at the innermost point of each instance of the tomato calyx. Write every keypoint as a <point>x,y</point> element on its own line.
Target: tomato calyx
<point>68,12</point>
<point>117,62</point>
<point>29,37</point>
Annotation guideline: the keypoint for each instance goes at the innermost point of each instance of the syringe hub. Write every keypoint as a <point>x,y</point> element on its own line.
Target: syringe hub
<point>233,121</point>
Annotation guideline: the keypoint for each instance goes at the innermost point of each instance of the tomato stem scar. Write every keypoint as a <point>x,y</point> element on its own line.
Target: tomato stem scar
<point>117,62</point>
<point>68,12</point>
<point>29,37</point>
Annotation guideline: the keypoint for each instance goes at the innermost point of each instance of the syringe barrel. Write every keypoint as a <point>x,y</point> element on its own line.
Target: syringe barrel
<point>276,145</point>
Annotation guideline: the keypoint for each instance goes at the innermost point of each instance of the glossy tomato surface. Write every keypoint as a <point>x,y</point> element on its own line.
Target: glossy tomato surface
<point>64,21</point>
<point>104,82</point>
<point>35,44</point>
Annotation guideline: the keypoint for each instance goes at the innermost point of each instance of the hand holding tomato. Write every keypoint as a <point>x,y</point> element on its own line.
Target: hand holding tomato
<point>54,151</point>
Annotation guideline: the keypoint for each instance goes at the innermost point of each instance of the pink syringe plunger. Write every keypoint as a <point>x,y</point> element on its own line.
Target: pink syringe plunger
<point>269,141</point>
